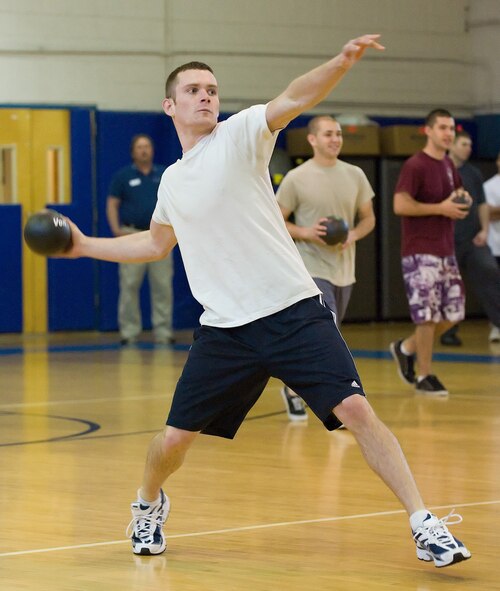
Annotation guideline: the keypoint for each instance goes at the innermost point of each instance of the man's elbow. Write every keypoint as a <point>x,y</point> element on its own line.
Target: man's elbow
<point>397,206</point>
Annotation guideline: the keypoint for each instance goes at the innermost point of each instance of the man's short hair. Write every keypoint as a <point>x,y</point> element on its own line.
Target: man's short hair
<point>137,137</point>
<point>171,82</point>
<point>462,133</point>
<point>313,125</point>
<point>434,114</point>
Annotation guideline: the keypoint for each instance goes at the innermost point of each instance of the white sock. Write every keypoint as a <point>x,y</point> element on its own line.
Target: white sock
<point>404,350</point>
<point>417,518</point>
<point>143,502</point>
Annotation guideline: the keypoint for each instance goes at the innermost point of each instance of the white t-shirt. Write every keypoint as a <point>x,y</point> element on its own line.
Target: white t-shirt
<point>312,191</point>
<point>239,258</point>
<point>492,193</point>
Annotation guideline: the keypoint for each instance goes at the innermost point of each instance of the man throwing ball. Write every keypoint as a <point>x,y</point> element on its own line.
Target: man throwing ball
<point>263,314</point>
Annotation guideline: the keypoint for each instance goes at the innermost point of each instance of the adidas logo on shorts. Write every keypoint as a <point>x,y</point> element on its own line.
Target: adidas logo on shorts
<point>355,384</point>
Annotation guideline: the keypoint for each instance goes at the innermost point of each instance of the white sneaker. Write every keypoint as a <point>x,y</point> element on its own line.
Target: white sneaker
<point>434,541</point>
<point>146,527</point>
<point>494,334</point>
<point>294,405</point>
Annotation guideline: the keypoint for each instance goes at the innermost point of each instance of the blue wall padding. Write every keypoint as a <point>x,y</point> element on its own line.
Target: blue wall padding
<point>488,135</point>
<point>71,283</point>
<point>115,131</point>
<point>11,276</point>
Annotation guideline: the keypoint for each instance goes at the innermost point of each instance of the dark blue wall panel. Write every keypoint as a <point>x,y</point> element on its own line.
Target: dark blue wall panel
<point>71,283</point>
<point>115,130</point>
<point>488,133</point>
<point>11,275</point>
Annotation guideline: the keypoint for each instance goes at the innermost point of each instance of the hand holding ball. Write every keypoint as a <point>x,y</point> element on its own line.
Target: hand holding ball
<point>47,232</point>
<point>336,230</point>
<point>462,199</point>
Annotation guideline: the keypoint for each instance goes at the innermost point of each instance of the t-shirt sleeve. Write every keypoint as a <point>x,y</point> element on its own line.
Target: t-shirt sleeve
<point>365,192</point>
<point>160,215</point>
<point>287,194</point>
<point>489,192</point>
<point>480,196</point>
<point>409,179</point>
<point>251,135</point>
<point>116,186</point>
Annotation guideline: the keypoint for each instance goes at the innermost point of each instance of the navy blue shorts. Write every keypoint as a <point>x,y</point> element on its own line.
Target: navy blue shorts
<point>228,368</point>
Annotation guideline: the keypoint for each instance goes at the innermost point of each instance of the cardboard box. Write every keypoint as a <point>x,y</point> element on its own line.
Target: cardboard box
<point>359,140</point>
<point>402,140</point>
<point>296,142</point>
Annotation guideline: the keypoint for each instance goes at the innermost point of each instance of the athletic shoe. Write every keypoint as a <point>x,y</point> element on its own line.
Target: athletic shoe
<point>449,339</point>
<point>145,529</point>
<point>430,385</point>
<point>494,334</point>
<point>435,542</point>
<point>294,405</point>
<point>404,362</point>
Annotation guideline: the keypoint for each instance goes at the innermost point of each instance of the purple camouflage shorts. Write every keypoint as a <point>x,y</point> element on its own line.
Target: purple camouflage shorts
<point>434,288</point>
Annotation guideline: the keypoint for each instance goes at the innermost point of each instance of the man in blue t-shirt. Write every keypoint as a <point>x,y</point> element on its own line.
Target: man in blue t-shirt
<point>130,205</point>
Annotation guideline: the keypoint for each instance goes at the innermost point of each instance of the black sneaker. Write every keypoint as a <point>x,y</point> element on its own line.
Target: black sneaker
<point>450,339</point>
<point>294,405</point>
<point>405,363</point>
<point>430,385</point>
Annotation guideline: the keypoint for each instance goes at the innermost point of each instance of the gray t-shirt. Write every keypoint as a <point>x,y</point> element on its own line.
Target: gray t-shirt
<point>312,191</point>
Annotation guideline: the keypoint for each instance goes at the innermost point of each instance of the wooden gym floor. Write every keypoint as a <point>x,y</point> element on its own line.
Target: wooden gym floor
<point>282,507</point>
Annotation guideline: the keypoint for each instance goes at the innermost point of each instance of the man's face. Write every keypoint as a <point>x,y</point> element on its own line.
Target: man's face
<point>442,133</point>
<point>142,152</point>
<point>327,141</point>
<point>196,102</point>
<point>461,148</point>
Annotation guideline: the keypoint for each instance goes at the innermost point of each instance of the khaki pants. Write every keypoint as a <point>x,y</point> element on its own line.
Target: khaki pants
<point>160,285</point>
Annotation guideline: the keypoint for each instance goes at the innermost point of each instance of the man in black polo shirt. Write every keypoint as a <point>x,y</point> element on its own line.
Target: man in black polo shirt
<point>473,254</point>
<point>130,205</point>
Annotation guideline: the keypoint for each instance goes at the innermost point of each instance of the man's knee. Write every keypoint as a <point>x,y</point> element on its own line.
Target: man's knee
<point>177,439</point>
<point>354,411</point>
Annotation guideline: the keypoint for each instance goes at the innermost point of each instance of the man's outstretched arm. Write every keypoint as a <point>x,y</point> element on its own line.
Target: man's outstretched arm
<point>311,88</point>
<point>151,245</point>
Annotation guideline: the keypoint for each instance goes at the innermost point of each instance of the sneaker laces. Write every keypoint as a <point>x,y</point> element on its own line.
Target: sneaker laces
<point>439,531</point>
<point>144,525</point>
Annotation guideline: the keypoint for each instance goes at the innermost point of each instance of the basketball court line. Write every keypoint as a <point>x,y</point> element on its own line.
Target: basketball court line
<point>140,397</point>
<point>231,530</point>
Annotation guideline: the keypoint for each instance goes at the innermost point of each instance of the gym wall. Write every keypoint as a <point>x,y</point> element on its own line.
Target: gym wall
<point>115,54</point>
<point>108,60</point>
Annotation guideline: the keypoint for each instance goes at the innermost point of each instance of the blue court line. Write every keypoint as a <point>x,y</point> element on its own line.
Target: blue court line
<point>82,348</point>
<point>453,357</point>
<point>358,353</point>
